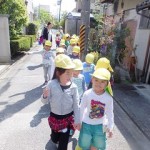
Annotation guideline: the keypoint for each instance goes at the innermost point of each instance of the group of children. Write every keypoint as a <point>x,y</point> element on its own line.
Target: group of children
<point>79,94</point>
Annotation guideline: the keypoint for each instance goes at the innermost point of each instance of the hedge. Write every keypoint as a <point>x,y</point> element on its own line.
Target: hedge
<point>32,39</point>
<point>23,43</point>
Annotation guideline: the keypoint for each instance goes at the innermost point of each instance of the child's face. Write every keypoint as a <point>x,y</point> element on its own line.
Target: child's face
<point>76,73</point>
<point>66,76</point>
<point>75,54</point>
<point>47,48</point>
<point>99,85</point>
<point>73,45</point>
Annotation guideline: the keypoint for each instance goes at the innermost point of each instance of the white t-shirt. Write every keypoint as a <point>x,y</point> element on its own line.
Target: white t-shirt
<point>96,109</point>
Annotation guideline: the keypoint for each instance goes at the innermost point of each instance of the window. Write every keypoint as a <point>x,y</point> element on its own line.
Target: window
<point>145,22</point>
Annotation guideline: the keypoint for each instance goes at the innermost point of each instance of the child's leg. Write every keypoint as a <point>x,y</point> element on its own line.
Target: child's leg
<point>45,72</point>
<point>85,137</point>
<point>99,138</point>
<point>49,73</point>
<point>63,140</point>
<point>93,148</point>
<point>55,136</point>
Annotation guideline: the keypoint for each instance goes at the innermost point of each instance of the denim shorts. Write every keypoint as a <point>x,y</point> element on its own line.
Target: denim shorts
<point>92,135</point>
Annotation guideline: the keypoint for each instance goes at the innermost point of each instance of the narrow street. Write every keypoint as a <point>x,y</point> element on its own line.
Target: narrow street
<point>23,118</point>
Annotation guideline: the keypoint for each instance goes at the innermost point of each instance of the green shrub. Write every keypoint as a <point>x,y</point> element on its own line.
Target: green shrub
<point>32,38</point>
<point>21,44</point>
<point>31,29</point>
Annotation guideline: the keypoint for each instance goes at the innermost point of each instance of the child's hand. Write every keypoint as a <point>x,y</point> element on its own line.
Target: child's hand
<point>110,133</point>
<point>27,53</point>
<point>45,93</point>
<point>77,126</point>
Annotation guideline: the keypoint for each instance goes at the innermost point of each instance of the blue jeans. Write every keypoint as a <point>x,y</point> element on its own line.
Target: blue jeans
<point>92,135</point>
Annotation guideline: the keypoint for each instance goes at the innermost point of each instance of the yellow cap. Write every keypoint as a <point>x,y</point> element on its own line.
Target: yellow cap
<point>78,64</point>
<point>62,41</point>
<point>89,58</point>
<point>64,61</point>
<point>73,41</point>
<point>48,43</point>
<point>67,35</point>
<point>60,50</point>
<point>58,33</point>
<point>104,63</point>
<point>62,44</point>
<point>76,49</point>
<point>102,74</point>
<point>73,36</point>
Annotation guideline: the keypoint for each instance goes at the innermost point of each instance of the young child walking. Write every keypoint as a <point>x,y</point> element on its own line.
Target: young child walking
<point>96,108</point>
<point>63,97</point>
<point>75,53</point>
<point>78,78</point>
<point>47,60</point>
<point>57,39</point>
<point>88,68</point>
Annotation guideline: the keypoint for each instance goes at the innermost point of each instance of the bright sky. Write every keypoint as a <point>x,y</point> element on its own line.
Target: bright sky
<point>67,5</point>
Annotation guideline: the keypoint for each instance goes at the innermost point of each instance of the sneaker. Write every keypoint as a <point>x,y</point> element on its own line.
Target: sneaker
<point>45,83</point>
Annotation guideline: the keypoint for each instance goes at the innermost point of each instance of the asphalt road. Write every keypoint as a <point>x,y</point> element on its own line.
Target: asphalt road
<point>23,118</point>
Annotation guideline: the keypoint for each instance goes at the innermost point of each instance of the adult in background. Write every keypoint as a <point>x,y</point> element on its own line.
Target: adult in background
<point>47,33</point>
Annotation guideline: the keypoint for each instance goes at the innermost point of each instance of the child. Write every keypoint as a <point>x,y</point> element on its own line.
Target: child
<point>96,106</point>
<point>88,68</point>
<point>64,99</point>
<point>75,53</point>
<point>78,78</point>
<point>103,62</point>
<point>70,47</point>
<point>58,39</point>
<point>60,50</point>
<point>67,40</point>
<point>48,61</point>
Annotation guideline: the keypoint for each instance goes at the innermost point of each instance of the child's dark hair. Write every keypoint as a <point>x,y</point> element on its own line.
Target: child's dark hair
<point>58,72</point>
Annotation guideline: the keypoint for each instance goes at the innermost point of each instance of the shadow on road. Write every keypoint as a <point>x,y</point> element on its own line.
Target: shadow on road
<point>34,67</point>
<point>51,146</point>
<point>42,113</point>
<point>29,98</point>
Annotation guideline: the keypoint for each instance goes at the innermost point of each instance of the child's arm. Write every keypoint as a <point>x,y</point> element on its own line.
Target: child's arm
<point>83,106</point>
<point>76,106</point>
<point>46,94</point>
<point>84,84</point>
<point>35,52</point>
<point>110,115</point>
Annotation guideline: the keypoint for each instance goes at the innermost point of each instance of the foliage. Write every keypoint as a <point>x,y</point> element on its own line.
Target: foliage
<point>21,44</point>
<point>16,10</point>
<point>31,29</point>
<point>120,36</point>
<point>45,17</point>
<point>62,21</point>
<point>32,38</point>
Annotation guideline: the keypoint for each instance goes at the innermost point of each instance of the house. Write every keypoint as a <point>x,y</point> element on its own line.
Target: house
<point>125,12</point>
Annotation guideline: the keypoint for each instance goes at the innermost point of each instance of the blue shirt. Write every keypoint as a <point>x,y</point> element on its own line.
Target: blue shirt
<point>88,69</point>
<point>80,82</point>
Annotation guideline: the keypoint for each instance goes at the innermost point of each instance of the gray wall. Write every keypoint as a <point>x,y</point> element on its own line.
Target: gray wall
<point>5,55</point>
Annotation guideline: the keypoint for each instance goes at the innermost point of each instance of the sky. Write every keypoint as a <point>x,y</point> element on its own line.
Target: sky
<point>67,5</point>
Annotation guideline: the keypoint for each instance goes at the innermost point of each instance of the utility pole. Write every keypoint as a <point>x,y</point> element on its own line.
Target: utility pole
<point>85,23</point>
<point>59,3</point>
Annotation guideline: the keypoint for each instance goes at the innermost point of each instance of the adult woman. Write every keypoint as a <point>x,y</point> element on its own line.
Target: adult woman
<point>47,33</point>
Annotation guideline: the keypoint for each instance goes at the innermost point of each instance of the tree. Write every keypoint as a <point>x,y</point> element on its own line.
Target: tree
<point>45,17</point>
<point>16,10</point>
